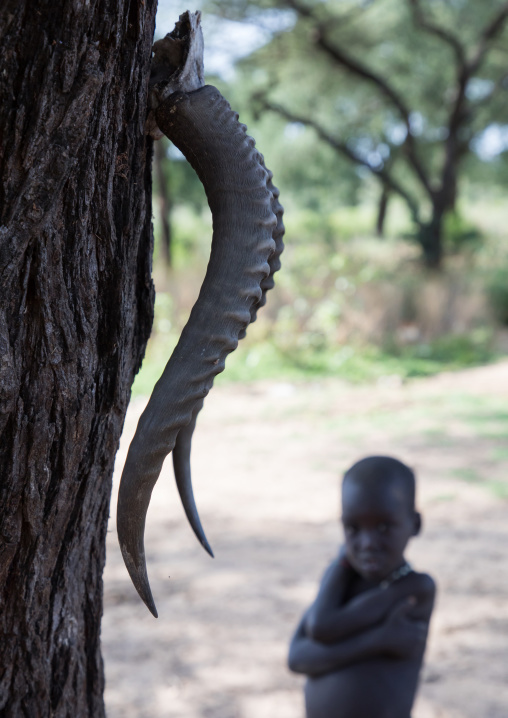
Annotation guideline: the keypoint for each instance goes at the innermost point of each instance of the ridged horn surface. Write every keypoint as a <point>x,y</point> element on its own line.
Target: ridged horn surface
<point>274,260</point>
<point>239,191</point>
<point>181,465</point>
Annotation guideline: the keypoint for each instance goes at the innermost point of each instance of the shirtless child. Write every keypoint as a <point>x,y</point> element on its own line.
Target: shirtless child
<point>362,641</point>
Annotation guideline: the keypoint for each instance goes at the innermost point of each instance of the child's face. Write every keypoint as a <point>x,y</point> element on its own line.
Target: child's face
<point>377,526</point>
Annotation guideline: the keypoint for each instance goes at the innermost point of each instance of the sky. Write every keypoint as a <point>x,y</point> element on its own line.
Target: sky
<point>227,41</point>
<point>242,38</point>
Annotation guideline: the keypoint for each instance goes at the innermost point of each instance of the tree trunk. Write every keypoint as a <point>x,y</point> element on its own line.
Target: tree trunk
<point>430,234</point>
<point>76,305</point>
<point>430,237</point>
<point>381,212</point>
<point>160,162</point>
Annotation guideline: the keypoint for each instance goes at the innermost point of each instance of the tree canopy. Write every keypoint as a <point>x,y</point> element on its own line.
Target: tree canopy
<point>403,91</point>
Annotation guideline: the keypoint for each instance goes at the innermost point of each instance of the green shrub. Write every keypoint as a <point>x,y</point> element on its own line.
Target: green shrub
<point>459,233</point>
<point>497,292</point>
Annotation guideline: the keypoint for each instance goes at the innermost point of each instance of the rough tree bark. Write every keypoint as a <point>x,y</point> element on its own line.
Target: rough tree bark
<point>76,305</point>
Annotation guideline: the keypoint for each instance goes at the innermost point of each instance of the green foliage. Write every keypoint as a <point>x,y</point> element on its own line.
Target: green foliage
<point>499,489</point>
<point>345,300</point>
<point>355,364</point>
<point>409,77</point>
<point>460,233</point>
<point>497,292</point>
<point>183,185</point>
<point>274,359</point>
<point>452,351</point>
<point>317,322</point>
<point>294,71</point>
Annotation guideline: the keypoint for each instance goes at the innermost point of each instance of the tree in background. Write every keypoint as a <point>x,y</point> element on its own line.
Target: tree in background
<point>403,90</point>
<point>176,186</point>
<point>163,189</point>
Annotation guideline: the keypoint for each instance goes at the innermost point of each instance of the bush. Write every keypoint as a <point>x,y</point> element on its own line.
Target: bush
<point>459,233</point>
<point>497,292</point>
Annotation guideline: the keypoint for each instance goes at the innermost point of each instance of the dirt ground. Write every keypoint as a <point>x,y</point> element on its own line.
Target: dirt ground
<point>267,458</point>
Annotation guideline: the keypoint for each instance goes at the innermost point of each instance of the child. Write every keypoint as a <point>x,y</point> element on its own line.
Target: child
<point>362,641</point>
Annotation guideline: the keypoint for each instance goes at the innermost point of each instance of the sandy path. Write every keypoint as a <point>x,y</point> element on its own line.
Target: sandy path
<point>266,462</point>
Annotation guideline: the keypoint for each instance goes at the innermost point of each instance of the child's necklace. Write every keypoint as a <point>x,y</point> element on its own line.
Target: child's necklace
<point>395,575</point>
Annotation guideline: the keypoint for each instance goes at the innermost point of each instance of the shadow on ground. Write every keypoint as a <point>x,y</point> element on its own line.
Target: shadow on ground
<point>266,463</point>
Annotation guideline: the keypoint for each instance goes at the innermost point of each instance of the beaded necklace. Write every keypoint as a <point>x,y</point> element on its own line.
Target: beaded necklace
<point>395,575</point>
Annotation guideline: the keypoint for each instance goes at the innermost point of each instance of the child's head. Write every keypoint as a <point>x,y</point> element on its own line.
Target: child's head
<point>378,515</point>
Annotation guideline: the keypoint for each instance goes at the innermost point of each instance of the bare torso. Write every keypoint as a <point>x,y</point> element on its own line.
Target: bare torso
<point>372,670</point>
<point>373,688</point>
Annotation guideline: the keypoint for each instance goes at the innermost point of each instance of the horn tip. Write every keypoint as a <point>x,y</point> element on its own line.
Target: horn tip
<point>145,593</point>
<point>136,567</point>
<point>207,546</point>
<point>147,598</point>
<point>152,609</point>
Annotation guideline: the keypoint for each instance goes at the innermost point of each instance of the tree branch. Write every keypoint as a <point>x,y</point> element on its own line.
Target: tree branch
<point>489,33</point>
<point>350,63</point>
<point>306,11</point>
<point>440,32</point>
<point>454,148</point>
<point>360,70</point>
<point>342,148</point>
<point>357,68</point>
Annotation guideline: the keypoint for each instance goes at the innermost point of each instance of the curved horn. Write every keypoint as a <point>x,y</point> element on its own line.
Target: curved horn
<point>181,466</point>
<point>238,186</point>
<point>182,450</point>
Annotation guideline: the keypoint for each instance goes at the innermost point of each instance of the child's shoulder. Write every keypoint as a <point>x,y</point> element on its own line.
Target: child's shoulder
<point>413,584</point>
<point>423,588</point>
<point>421,582</point>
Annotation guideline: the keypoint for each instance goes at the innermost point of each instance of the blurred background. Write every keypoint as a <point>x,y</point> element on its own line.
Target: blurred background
<point>385,123</point>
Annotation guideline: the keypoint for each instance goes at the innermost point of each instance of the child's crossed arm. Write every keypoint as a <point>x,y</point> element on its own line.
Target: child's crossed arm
<point>397,637</point>
<point>330,620</point>
<point>331,635</point>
